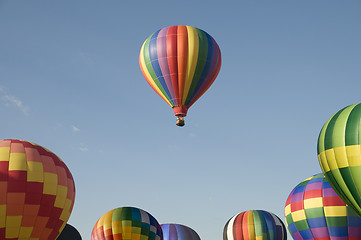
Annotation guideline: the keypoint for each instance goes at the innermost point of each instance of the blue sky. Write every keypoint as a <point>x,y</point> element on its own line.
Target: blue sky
<point>70,81</point>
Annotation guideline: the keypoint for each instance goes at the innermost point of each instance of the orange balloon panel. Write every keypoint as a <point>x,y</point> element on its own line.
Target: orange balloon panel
<point>37,192</point>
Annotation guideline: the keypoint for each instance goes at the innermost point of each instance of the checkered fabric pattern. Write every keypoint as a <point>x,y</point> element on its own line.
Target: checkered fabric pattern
<point>254,225</point>
<point>339,154</point>
<point>314,211</point>
<point>178,232</point>
<point>37,192</point>
<point>127,223</point>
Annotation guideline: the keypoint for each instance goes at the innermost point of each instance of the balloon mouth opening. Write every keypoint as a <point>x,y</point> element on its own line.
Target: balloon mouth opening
<point>180,111</point>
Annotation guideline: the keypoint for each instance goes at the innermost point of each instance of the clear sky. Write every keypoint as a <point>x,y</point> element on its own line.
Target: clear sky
<point>70,81</point>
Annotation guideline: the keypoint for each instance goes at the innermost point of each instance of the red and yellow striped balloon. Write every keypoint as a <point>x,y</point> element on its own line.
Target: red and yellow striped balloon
<point>37,192</point>
<point>180,63</point>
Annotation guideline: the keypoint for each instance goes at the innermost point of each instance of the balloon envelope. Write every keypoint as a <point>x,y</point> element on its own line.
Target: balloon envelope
<point>178,232</point>
<point>127,223</point>
<point>37,191</point>
<point>339,154</point>
<point>180,63</point>
<point>254,224</point>
<point>69,233</point>
<point>314,211</point>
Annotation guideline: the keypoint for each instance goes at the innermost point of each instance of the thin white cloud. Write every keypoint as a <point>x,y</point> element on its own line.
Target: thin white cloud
<point>10,100</point>
<point>192,135</point>
<point>83,149</point>
<point>75,129</point>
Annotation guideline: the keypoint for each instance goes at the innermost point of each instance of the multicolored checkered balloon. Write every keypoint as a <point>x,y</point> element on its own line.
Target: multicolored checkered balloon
<point>178,232</point>
<point>254,225</point>
<point>314,211</point>
<point>339,154</point>
<point>37,192</point>
<point>127,223</point>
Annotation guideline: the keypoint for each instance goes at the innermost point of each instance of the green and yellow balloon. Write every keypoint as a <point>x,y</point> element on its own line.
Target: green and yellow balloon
<point>339,154</point>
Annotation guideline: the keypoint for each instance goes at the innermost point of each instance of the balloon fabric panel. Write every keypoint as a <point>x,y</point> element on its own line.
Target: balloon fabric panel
<point>147,74</point>
<point>37,191</point>
<point>313,210</point>
<point>156,45</point>
<point>339,154</point>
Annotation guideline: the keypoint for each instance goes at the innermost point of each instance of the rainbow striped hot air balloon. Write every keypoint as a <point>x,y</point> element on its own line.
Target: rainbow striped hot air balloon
<point>37,192</point>
<point>314,211</point>
<point>339,154</point>
<point>178,232</point>
<point>127,223</point>
<point>254,224</point>
<point>180,63</point>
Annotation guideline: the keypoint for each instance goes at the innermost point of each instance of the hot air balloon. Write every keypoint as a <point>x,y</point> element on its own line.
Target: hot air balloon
<point>173,231</point>
<point>69,233</point>
<point>180,63</point>
<point>314,211</point>
<point>37,191</point>
<point>127,223</point>
<point>254,224</point>
<point>339,154</point>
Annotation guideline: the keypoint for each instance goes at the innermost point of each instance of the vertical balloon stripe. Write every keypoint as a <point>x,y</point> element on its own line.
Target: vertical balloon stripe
<point>330,128</point>
<point>172,61</point>
<point>173,232</point>
<point>161,46</point>
<point>339,129</point>
<point>216,67</point>
<point>269,225</point>
<point>258,225</point>
<point>150,76</point>
<point>201,62</point>
<point>353,126</point>
<point>225,231</point>
<point>237,228</point>
<point>245,225</point>
<point>228,230</point>
<point>206,68</point>
<point>193,52</point>
<point>281,229</point>
<point>249,222</point>
<point>136,215</point>
<point>182,53</point>
<point>153,57</point>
